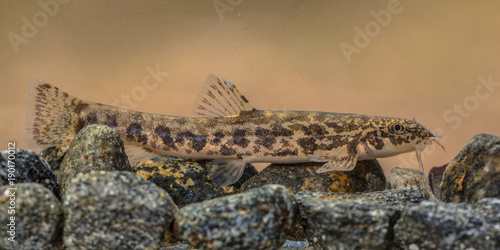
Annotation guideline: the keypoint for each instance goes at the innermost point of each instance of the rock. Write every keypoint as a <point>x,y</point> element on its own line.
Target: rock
<point>95,147</point>
<point>37,217</point>
<point>475,172</point>
<point>435,179</point>
<point>256,219</point>
<point>27,166</point>
<point>439,225</point>
<point>408,178</point>
<point>399,199</point>
<point>187,180</point>
<point>116,210</point>
<point>367,176</point>
<point>365,222</point>
<point>54,156</point>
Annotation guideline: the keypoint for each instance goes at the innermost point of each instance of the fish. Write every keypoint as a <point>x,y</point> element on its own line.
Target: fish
<point>228,131</point>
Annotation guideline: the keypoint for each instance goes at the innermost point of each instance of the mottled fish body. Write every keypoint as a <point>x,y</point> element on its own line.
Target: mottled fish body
<point>228,130</point>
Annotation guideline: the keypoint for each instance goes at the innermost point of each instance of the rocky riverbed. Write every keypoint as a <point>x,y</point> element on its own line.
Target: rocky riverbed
<point>88,196</point>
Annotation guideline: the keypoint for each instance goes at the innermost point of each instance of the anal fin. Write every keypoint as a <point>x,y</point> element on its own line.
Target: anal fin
<point>137,154</point>
<point>344,163</point>
<point>225,172</point>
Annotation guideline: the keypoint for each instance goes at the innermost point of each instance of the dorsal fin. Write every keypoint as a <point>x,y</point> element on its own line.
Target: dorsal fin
<point>220,98</point>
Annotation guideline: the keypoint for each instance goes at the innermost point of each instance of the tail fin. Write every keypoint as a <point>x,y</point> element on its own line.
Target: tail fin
<point>50,115</point>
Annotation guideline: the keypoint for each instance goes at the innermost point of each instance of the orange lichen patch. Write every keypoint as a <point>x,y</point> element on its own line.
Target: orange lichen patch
<point>341,185</point>
<point>161,171</point>
<point>459,183</point>
<point>229,189</point>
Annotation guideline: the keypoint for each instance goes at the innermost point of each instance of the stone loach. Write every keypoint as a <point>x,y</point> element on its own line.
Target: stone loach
<point>256,219</point>
<point>95,147</point>
<point>367,176</point>
<point>475,172</point>
<point>38,217</point>
<point>116,210</point>
<point>186,180</point>
<point>29,167</point>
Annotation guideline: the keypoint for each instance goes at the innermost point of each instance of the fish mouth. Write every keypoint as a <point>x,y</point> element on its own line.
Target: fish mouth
<point>439,141</point>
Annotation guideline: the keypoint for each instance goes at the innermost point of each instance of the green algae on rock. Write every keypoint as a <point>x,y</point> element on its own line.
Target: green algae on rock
<point>256,219</point>
<point>116,210</point>
<point>475,172</point>
<point>367,176</point>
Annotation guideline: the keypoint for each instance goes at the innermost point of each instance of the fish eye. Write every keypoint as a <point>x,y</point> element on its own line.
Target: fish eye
<point>397,128</point>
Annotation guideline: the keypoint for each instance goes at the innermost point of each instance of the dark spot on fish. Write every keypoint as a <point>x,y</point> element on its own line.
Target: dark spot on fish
<point>316,131</point>
<point>134,131</point>
<point>44,86</point>
<point>336,127</point>
<point>79,125</point>
<point>91,118</point>
<point>218,138</point>
<point>198,141</point>
<point>279,130</point>
<point>164,134</point>
<point>239,138</point>
<point>79,107</point>
<point>266,137</point>
<point>287,152</point>
<point>308,145</point>
<point>374,139</point>
<point>225,150</point>
<point>111,121</point>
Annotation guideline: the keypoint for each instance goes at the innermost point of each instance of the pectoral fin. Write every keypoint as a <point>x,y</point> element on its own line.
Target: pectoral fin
<point>344,163</point>
<point>225,172</point>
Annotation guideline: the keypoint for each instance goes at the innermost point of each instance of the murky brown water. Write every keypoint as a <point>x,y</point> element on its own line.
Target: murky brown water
<point>438,62</point>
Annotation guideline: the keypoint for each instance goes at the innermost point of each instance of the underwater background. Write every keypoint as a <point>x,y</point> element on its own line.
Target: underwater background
<point>437,62</point>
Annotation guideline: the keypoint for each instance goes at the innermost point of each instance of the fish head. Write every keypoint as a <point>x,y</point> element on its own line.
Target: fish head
<point>394,136</point>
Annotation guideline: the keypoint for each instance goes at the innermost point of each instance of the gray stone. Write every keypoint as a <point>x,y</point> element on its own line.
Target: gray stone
<point>116,210</point>
<point>95,147</point>
<point>367,176</point>
<point>27,166</point>
<point>37,217</point>
<point>256,219</point>
<point>356,224</point>
<point>408,178</point>
<point>438,225</point>
<point>187,180</point>
<point>475,172</point>
<point>399,199</point>
<point>354,221</point>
